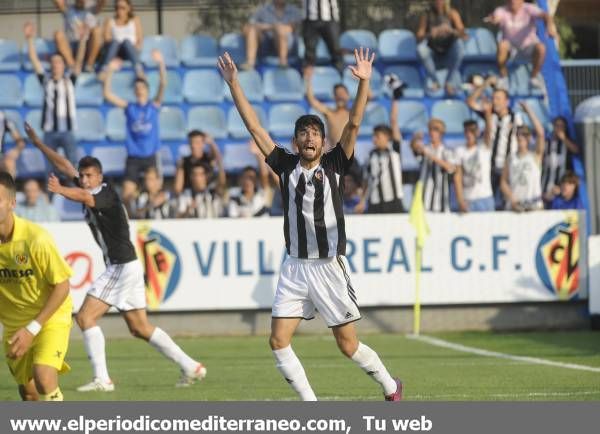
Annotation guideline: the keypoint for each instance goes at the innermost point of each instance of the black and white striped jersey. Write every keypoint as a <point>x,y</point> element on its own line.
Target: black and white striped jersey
<point>321,10</point>
<point>109,225</point>
<point>503,137</point>
<point>436,181</point>
<point>384,175</point>
<point>557,160</point>
<point>59,110</point>
<point>314,225</point>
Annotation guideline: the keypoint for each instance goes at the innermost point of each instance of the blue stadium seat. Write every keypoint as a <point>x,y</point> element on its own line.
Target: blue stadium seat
<point>540,110</point>
<point>397,45</point>
<point>235,125</point>
<point>283,85</point>
<point>90,125</point>
<point>362,149</point>
<point>167,162</point>
<point>172,123</point>
<point>112,159</point>
<point>122,85</point>
<point>10,56</point>
<point>34,118</point>
<point>519,81</point>
<point>236,156</point>
<point>322,53</point>
<point>252,84</point>
<point>31,163</point>
<point>486,42</point>
<point>323,80</point>
<point>44,48</point>
<point>453,113</point>
<point>209,119</point>
<point>167,45</point>
<point>471,46</point>
<point>116,125</point>
<point>33,91</point>
<point>15,117</point>
<point>375,114</point>
<point>68,210</point>
<point>282,118</point>
<point>235,45</point>
<point>376,83</point>
<point>199,50</point>
<point>355,38</point>
<point>268,53</point>
<point>173,93</point>
<point>88,90</point>
<point>11,93</point>
<point>203,86</point>
<point>411,76</point>
<point>412,116</point>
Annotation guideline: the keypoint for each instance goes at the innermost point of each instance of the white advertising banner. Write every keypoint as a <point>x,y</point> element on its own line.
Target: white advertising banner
<point>594,269</point>
<point>233,264</point>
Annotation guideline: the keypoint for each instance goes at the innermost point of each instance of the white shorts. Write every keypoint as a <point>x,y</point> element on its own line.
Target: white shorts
<point>324,284</point>
<point>121,286</point>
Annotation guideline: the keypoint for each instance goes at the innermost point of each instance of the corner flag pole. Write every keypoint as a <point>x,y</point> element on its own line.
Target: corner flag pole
<point>417,219</point>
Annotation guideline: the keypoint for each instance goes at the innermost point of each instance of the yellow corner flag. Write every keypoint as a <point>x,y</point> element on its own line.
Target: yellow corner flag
<point>417,219</point>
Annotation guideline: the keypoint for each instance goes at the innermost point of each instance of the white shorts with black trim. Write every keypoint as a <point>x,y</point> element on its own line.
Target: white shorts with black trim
<point>121,286</point>
<point>324,284</point>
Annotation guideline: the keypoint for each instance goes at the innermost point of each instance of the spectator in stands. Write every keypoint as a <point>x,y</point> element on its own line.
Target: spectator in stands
<point>436,167</point>
<point>123,36</point>
<point>276,20</point>
<point>322,19</point>
<point>352,194</point>
<point>59,117</point>
<point>77,18</point>
<point>197,140</point>
<point>154,202</point>
<point>200,200</point>
<point>568,196</point>
<point>522,174</point>
<point>142,117</point>
<point>502,129</point>
<point>382,191</point>
<point>439,35</point>
<point>254,195</point>
<point>517,22</point>
<point>335,118</point>
<point>9,157</point>
<point>557,158</point>
<point>36,207</point>
<point>472,178</point>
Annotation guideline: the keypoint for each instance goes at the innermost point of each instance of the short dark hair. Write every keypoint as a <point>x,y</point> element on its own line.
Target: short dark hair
<point>89,161</point>
<point>195,133</point>
<point>141,80</point>
<point>469,123</point>
<point>382,128</point>
<point>340,85</point>
<point>570,177</point>
<point>249,169</point>
<point>504,91</point>
<point>309,121</point>
<point>8,182</point>
<point>201,164</point>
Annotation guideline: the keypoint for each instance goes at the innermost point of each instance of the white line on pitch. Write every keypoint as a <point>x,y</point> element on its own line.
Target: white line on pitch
<point>458,347</point>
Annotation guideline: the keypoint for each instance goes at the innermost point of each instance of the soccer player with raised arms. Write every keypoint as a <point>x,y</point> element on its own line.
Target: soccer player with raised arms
<point>314,274</point>
<point>122,283</point>
<point>35,304</point>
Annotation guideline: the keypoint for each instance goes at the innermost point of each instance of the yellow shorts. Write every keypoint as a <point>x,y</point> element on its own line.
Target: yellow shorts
<point>48,348</point>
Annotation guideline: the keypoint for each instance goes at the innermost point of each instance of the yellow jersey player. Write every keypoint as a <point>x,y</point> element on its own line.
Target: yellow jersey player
<point>35,304</point>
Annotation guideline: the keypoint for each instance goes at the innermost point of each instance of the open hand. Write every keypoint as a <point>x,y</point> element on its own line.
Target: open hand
<point>19,343</point>
<point>29,30</point>
<point>227,67</point>
<point>364,64</point>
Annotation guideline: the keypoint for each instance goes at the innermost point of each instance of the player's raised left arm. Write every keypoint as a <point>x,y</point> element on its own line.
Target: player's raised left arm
<point>362,70</point>
<point>22,339</point>
<point>75,194</point>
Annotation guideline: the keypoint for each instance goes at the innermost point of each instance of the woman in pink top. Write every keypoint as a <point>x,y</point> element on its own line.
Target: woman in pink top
<point>519,39</point>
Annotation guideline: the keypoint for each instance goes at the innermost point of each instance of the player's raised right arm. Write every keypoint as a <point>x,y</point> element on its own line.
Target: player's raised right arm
<point>63,165</point>
<point>259,134</point>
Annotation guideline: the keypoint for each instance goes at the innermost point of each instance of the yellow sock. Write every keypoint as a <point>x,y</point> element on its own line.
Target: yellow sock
<point>53,396</point>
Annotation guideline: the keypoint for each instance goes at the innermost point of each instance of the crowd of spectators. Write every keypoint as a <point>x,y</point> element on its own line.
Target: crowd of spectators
<point>503,163</point>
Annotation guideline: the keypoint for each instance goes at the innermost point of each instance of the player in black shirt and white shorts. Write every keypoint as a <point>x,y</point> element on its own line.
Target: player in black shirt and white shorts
<point>122,283</point>
<point>314,275</point>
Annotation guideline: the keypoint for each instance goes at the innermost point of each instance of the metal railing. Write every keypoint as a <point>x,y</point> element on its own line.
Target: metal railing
<point>582,78</point>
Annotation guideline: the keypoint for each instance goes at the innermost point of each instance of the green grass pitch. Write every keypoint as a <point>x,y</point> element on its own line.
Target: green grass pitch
<point>242,368</point>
